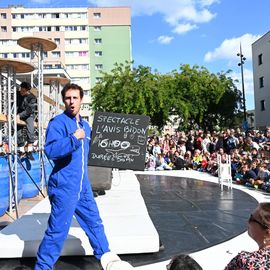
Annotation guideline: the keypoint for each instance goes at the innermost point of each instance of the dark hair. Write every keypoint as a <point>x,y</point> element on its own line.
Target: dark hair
<point>264,213</point>
<point>71,86</point>
<point>183,262</point>
<point>26,85</point>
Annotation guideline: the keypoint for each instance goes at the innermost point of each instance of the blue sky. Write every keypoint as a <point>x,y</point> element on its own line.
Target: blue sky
<point>167,33</point>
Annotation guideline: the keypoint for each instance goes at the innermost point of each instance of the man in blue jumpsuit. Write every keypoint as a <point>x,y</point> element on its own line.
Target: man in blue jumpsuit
<point>69,190</point>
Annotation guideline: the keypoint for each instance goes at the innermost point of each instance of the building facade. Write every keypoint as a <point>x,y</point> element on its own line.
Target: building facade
<point>261,78</point>
<point>89,40</point>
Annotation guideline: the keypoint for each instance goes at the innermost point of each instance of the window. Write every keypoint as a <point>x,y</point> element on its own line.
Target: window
<point>86,93</point>
<point>3,29</point>
<point>56,54</point>
<point>262,105</point>
<point>98,66</point>
<point>98,53</point>
<point>48,66</point>
<point>83,53</point>
<point>55,15</point>
<point>98,79</point>
<point>97,15</point>
<point>260,60</point>
<point>85,118</point>
<point>57,41</point>
<point>3,15</point>
<point>97,28</point>
<point>261,82</point>
<point>98,40</point>
<point>4,55</point>
<point>86,106</point>
<point>25,55</point>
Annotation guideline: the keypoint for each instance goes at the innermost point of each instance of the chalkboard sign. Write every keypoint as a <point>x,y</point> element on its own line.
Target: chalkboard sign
<point>119,140</point>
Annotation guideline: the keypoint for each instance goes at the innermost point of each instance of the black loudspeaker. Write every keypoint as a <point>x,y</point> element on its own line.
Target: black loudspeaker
<point>100,178</point>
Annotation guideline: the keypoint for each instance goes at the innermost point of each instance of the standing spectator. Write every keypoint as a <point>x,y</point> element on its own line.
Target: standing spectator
<point>26,107</point>
<point>198,140</point>
<point>220,141</point>
<point>231,141</point>
<point>206,142</point>
<point>190,144</point>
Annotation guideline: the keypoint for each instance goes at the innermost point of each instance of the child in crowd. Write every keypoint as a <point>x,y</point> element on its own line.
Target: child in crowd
<point>197,159</point>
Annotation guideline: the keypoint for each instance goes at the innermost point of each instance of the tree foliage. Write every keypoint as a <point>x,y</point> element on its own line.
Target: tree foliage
<point>192,95</point>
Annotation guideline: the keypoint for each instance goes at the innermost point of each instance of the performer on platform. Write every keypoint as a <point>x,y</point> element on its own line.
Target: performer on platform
<point>26,106</point>
<point>69,190</point>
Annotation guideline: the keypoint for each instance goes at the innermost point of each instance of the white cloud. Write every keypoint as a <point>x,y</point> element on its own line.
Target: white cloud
<point>248,81</point>
<point>183,28</point>
<point>229,48</point>
<point>165,39</point>
<point>206,3</point>
<point>175,12</point>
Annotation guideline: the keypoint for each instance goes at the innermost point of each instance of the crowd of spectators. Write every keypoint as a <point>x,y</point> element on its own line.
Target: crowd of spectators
<point>198,150</point>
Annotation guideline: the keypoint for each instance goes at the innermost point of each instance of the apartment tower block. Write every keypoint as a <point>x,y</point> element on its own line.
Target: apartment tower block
<point>89,40</point>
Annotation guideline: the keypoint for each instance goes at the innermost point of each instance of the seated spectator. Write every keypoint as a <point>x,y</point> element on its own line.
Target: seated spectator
<point>179,161</point>
<point>249,175</point>
<point>235,163</point>
<point>262,176</point>
<point>259,231</point>
<point>188,160</point>
<point>150,162</point>
<point>169,158</point>
<point>156,149</point>
<point>183,262</point>
<point>197,159</point>
<point>250,144</point>
<point>205,160</point>
<point>161,163</point>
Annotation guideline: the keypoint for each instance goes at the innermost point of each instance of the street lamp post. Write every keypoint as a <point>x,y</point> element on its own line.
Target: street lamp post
<point>242,61</point>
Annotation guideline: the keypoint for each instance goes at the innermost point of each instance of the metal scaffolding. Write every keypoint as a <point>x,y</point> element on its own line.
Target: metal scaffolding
<point>8,70</point>
<point>38,46</point>
<point>54,93</point>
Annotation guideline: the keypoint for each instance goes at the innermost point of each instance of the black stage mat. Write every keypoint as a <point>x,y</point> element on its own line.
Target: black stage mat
<point>189,215</point>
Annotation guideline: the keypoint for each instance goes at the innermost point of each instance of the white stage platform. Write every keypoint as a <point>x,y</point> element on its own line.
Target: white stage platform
<point>127,224</point>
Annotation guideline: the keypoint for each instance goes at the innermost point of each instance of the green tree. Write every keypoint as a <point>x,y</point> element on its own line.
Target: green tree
<point>193,95</point>
<point>132,90</point>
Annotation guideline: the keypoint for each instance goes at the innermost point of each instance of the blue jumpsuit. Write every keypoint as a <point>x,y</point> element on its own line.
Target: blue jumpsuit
<point>69,191</point>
